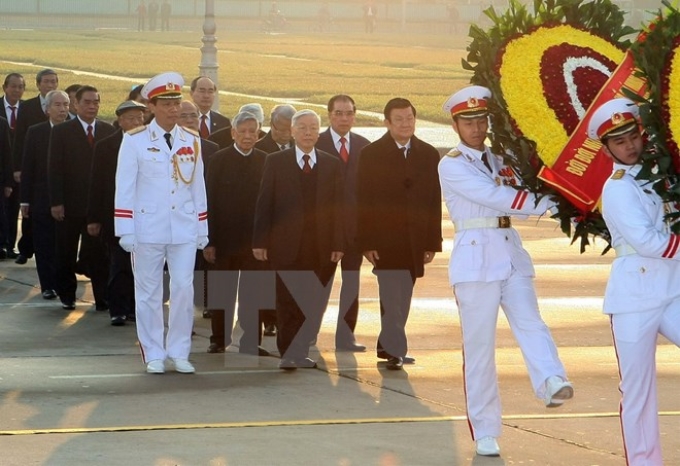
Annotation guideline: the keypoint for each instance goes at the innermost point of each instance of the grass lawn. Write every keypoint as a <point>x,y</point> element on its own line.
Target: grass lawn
<point>304,68</point>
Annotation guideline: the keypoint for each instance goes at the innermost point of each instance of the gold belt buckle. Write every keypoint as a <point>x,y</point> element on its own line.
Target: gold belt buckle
<point>504,222</point>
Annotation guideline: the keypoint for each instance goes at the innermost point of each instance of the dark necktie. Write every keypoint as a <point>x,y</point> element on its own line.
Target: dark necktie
<point>344,155</point>
<point>168,139</point>
<point>306,168</point>
<point>485,159</point>
<point>90,135</point>
<point>405,150</point>
<point>203,129</point>
<point>284,146</point>
<point>13,117</point>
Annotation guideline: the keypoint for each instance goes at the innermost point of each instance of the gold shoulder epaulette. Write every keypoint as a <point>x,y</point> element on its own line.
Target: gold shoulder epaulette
<point>453,153</point>
<point>191,131</point>
<point>618,174</point>
<point>136,130</point>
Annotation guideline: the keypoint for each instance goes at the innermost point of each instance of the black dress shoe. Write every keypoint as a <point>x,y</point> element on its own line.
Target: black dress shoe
<point>260,351</point>
<point>118,321</point>
<point>49,294</point>
<point>270,330</point>
<point>215,348</point>
<point>287,365</point>
<point>305,363</point>
<point>352,346</point>
<point>11,254</point>
<point>3,253</point>
<point>68,305</point>
<point>207,313</point>
<point>395,364</point>
<point>406,359</point>
<point>21,259</point>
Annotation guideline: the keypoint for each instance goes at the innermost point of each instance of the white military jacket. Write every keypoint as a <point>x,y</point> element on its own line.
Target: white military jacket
<point>475,198</point>
<point>160,192</point>
<point>642,278</point>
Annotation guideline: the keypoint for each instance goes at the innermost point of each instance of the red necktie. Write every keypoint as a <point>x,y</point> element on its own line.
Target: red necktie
<point>203,130</point>
<point>13,117</point>
<point>344,155</point>
<point>90,135</point>
<point>306,168</point>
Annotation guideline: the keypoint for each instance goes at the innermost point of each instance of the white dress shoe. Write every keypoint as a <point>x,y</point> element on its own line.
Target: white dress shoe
<point>183,366</point>
<point>488,446</point>
<point>557,390</point>
<point>155,367</point>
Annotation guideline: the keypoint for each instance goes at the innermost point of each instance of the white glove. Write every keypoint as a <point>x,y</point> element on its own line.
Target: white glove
<point>202,242</point>
<point>127,242</point>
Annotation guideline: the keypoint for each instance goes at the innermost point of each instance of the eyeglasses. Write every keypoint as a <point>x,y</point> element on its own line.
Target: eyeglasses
<point>340,113</point>
<point>189,115</point>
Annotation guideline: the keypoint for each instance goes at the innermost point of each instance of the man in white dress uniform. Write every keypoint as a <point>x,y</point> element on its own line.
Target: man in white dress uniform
<point>490,268</point>
<point>642,296</point>
<point>161,216</point>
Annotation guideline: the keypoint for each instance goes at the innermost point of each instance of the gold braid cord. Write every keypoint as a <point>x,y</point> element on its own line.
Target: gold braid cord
<point>175,164</point>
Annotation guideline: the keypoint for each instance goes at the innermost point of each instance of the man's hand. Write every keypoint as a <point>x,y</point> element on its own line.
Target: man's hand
<point>260,254</point>
<point>428,256</point>
<point>25,211</point>
<point>17,177</point>
<point>93,229</point>
<point>8,191</point>
<point>209,254</point>
<point>372,257</point>
<point>58,212</point>
<point>336,256</point>
<point>127,242</point>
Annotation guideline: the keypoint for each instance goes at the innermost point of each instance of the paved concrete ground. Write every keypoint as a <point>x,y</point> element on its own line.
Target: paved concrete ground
<point>73,389</point>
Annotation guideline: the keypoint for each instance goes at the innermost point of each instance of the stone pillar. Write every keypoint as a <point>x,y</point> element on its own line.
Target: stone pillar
<point>209,66</point>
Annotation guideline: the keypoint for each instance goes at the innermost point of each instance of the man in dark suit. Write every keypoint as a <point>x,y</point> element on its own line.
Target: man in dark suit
<point>35,198</point>
<point>69,171</point>
<point>13,87</point>
<point>100,211</point>
<point>203,91</point>
<point>399,222</point>
<point>232,185</point>
<point>338,140</point>
<point>279,136</point>
<point>298,229</point>
<point>32,111</point>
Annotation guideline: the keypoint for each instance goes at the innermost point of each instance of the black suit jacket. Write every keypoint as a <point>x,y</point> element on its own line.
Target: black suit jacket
<point>6,168</point>
<point>4,115</point>
<point>399,202</point>
<point>218,121</point>
<point>356,144</point>
<point>222,137</point>
<point>103,183</point>
<point>70,165</point>
<point>233,184</point>
<point>268,145</point>
<point>30,113</point>
<point>34,168</point>
<point>279,214</point>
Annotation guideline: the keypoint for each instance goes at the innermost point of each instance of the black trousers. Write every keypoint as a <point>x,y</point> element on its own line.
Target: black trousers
<point>301,299</point>
<point>121,286</point>
<point>349,299</point>
<point>44,244</point>
<point>395,288</point>
<point>69,233</point>
<point>244,279</point>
